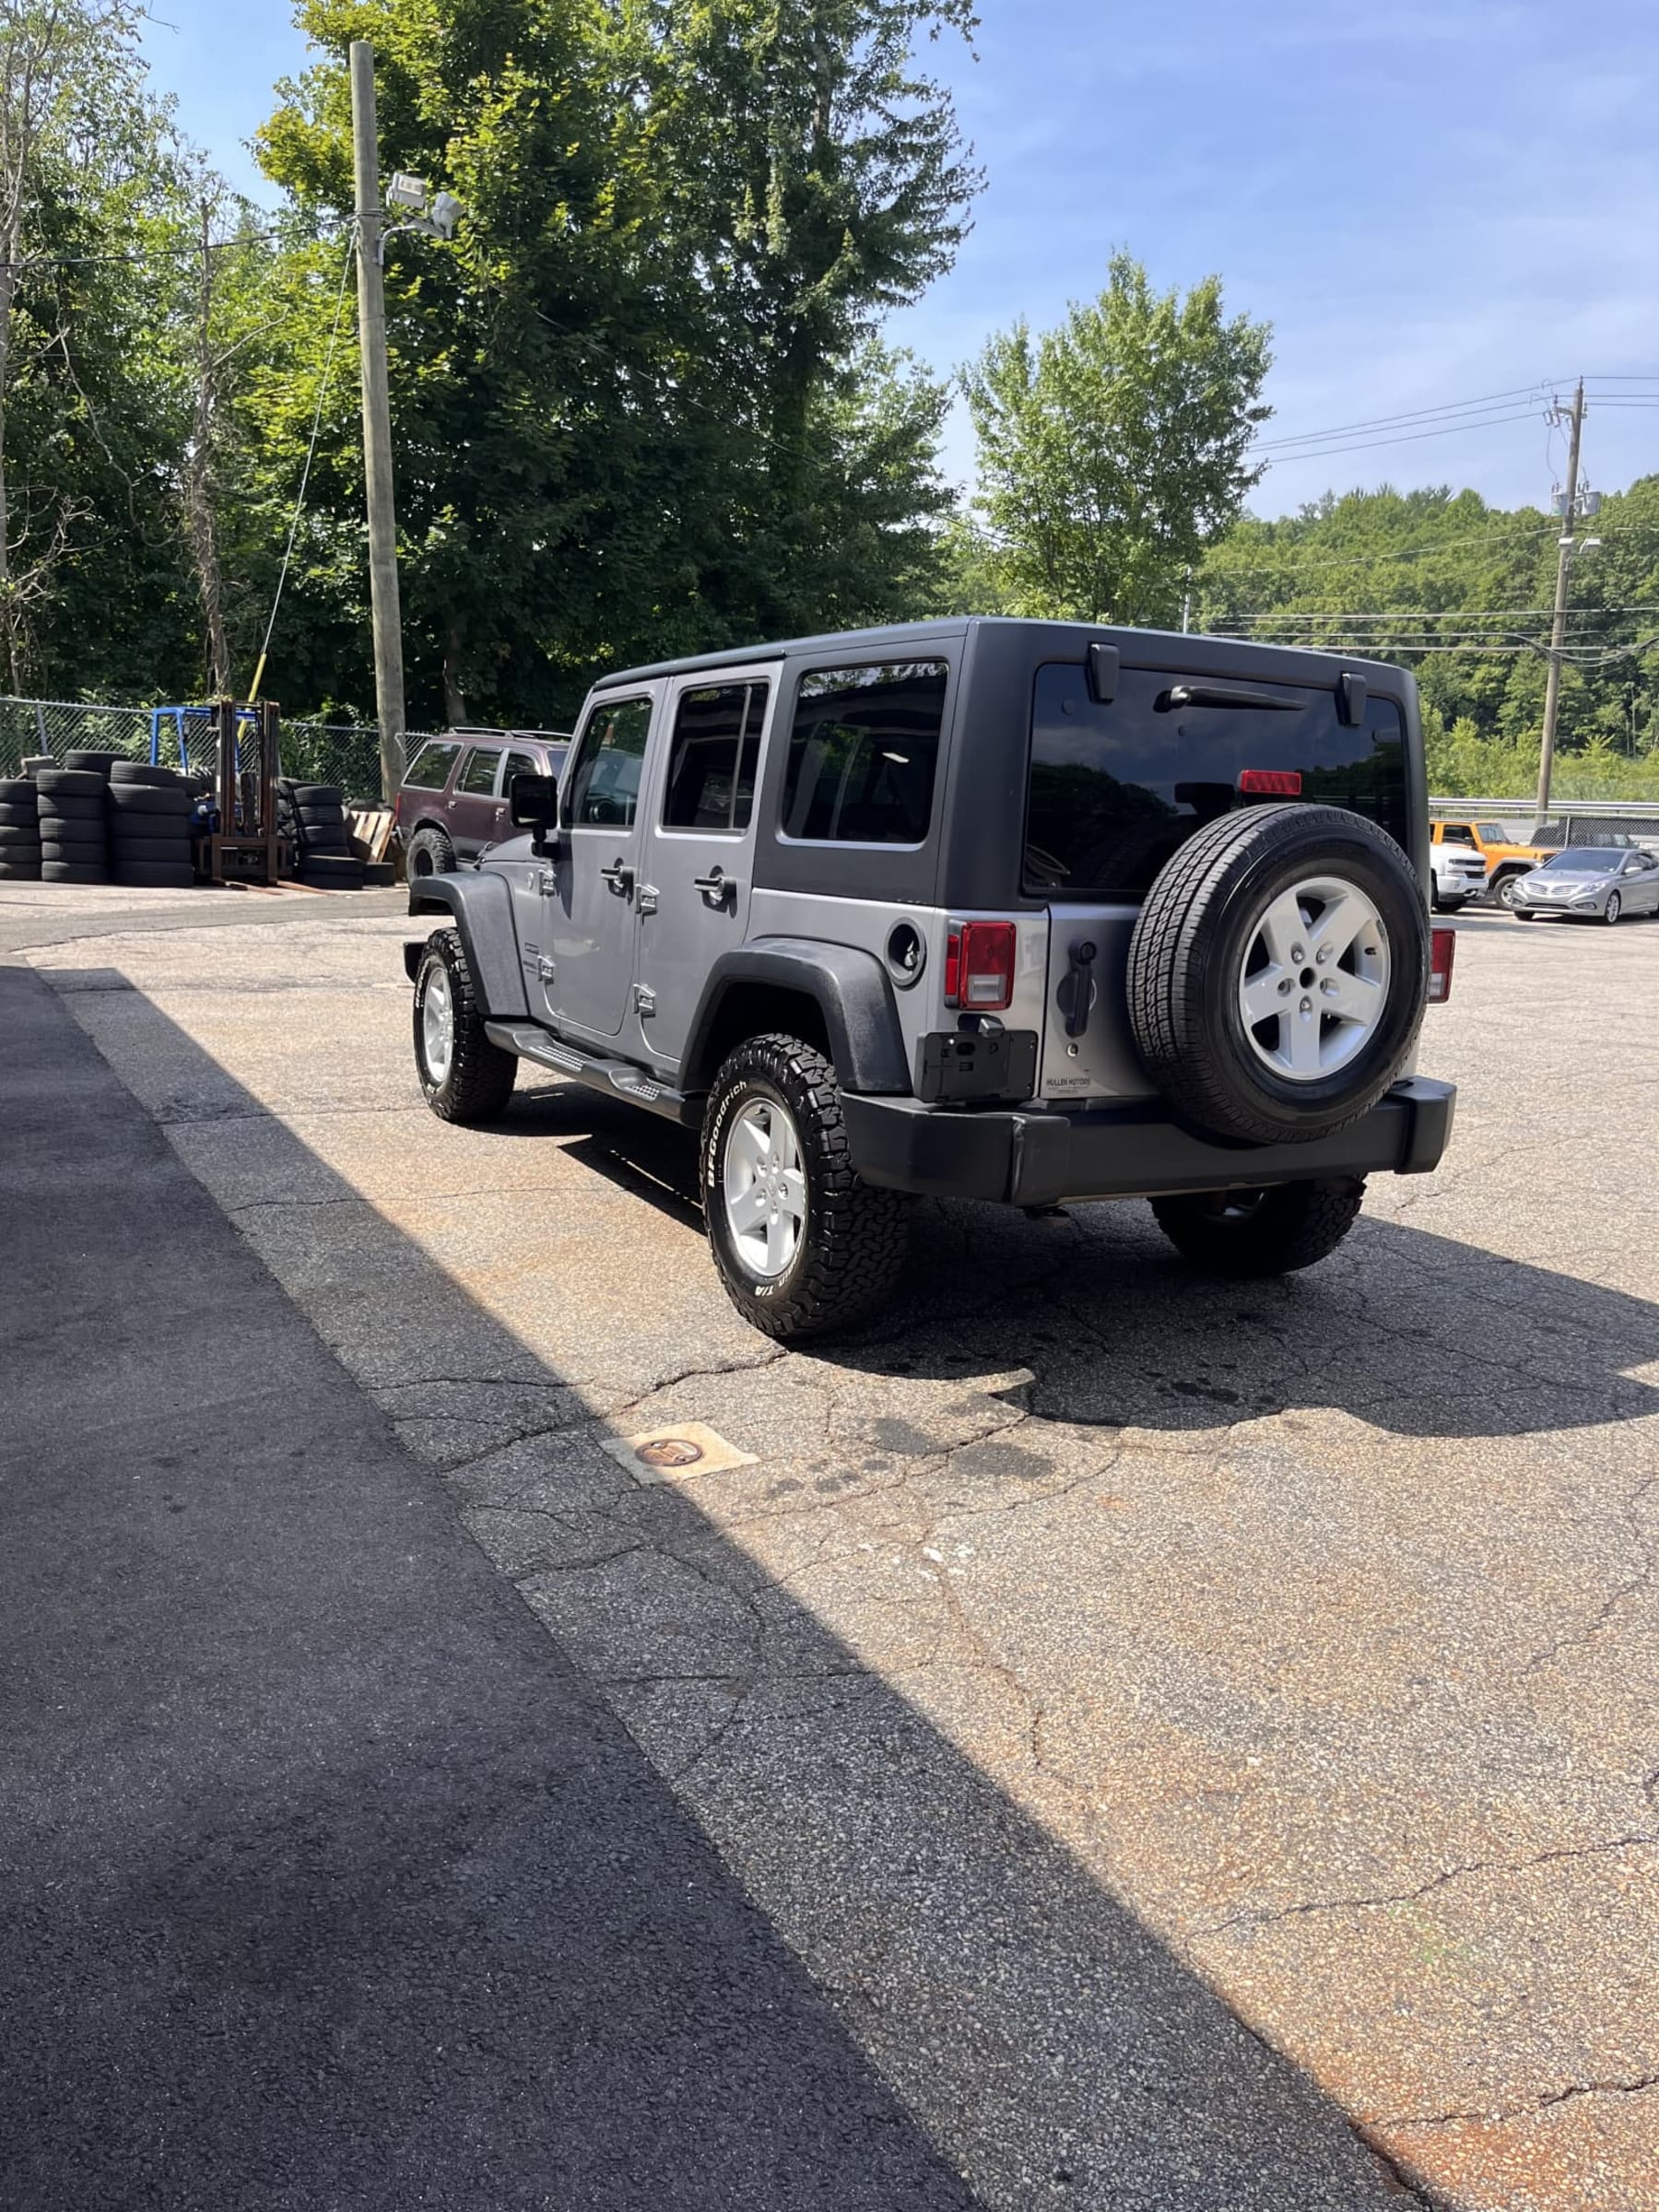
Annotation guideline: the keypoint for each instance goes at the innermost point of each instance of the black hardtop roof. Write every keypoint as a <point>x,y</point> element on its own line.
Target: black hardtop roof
<point>1187,652</point>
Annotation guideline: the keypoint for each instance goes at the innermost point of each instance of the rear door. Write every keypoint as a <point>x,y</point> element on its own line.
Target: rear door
<point>589,904</point>
<point>698,849</point>
<point>472,801</point>
<point>1639,885</point>
<point>1116,788</point>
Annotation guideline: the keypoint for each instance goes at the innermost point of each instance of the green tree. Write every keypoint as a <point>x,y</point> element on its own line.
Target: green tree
<point>89,551</point>
<point>1460,592</point>
<point>636,405</point>
<point>1114,451</point>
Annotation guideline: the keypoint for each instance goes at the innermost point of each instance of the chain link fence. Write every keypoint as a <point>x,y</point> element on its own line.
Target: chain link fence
<point>316,752</point>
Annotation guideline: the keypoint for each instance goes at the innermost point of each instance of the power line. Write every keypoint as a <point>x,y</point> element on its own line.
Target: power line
<point>1367,445</point>
<point>1402,421</point>
<point>1443,544</point>
<point>1427,614</point>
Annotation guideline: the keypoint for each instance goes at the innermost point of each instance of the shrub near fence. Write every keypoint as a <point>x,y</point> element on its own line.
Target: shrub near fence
<point>315,752</point>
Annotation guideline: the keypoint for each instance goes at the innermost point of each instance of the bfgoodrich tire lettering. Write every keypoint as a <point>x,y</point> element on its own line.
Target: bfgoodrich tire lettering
<point>473,1081</point>
<point>852,1239</point>
<point>1189,951</point>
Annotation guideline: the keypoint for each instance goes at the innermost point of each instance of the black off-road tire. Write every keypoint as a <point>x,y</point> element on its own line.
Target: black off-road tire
<point>141,775</point>
<point>19,834</point>
<point>70,806</point>
<point>69,871</point>
<point>430,853</point>
<point>318,794</point>
<point>140,852</point>
<point>480,1076</point>
<point>128,801</point>
<point>154,875</point>
<point>17,869</point>
<point>94,763</point>
<point>71,784</point>
<point>855,1238</point>
<point>18,791</point>
<point>1245,1233</point>
<point>1187,954</point>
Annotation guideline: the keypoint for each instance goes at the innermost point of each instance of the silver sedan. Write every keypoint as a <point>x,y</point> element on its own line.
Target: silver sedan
<point>1589,883</point>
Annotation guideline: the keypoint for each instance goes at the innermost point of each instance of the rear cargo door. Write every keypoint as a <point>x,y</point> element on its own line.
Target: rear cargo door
<point>1117,787</point>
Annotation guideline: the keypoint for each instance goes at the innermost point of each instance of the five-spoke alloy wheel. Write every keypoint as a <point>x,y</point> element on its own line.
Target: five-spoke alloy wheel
<point>803,1245</point>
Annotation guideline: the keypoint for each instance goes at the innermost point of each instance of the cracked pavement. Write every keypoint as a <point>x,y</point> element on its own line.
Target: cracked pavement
<point>1304,1634</point>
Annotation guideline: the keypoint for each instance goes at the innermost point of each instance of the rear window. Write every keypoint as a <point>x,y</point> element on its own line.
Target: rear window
<point>1114,790</point>
<point>863,754</point>
<point>430,769</point>
<point>711,761</point>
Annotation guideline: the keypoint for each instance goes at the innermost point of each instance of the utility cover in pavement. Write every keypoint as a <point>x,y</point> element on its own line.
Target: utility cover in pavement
<point>672,1454</point>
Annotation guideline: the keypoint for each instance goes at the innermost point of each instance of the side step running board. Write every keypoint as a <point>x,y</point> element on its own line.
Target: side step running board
<point>619,1078</point>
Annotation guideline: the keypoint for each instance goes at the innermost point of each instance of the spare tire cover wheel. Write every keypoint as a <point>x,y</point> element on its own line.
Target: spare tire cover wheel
<point>1278,973</point>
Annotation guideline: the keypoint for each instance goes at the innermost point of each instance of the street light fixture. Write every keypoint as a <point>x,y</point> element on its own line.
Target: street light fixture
<point>419,209</point>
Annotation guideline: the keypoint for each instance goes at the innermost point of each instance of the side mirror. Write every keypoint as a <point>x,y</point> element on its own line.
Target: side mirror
<point>533,804</point>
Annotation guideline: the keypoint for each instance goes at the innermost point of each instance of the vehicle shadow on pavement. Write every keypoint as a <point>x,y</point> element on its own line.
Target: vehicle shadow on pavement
<point>325,1890</point>
<point>1412,1332</point>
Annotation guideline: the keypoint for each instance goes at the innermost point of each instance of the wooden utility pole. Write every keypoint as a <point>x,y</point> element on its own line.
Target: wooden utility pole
<point>377,425</point>
<point>1558,629</point>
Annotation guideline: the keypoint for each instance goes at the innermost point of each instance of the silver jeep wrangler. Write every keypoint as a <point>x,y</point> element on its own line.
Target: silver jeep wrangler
<point>1023,910</point>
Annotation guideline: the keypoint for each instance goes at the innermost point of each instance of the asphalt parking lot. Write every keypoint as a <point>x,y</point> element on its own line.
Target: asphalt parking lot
<point>1201,1745</point>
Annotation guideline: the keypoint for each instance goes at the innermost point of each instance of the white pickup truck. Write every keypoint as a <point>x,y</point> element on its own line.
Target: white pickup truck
<point>1459,876</point>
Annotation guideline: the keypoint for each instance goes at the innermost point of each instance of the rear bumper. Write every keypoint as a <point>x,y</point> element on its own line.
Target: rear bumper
<point>1031,1156</point>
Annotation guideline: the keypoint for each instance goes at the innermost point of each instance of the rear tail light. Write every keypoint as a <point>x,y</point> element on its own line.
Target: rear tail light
<point>1272,782</point>
<point>1442,950</point>
<point>979,966</point>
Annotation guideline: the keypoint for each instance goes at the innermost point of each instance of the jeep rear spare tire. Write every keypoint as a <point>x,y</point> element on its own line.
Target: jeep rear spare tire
<point>803,1246</point>
<point>1279,972</point>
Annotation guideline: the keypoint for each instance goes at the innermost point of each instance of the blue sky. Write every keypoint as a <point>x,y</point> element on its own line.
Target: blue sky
<point>1431,203</point>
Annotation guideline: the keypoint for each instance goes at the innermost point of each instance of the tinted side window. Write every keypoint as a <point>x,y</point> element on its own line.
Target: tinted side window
<point>477,776</point>
<point>1456,834</point>
<point>603,789</point>
<point>518,764</point>
<point>712,764</point>
<point>863,753</point>
<point>1114,790</point>
<point>430,769</point>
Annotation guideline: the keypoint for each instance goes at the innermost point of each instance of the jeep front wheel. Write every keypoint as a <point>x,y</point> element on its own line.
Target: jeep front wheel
<point>1245,1233</point>
<point>464,1075</point>
<point>801,1245</point>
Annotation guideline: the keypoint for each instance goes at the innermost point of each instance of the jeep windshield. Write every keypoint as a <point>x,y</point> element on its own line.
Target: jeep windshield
<point>1116,789</point>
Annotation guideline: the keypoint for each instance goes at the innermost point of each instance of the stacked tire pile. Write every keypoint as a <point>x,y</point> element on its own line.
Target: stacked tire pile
<point>19,831</point>
<point>313,817</point>
<point>73,802</point>
<point>150,818</point>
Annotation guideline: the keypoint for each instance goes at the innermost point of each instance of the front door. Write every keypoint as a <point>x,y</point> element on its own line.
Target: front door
<point>698,850</point>
<point>589,907</point>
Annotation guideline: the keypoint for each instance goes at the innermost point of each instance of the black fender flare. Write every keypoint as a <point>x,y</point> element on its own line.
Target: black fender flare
<point>479,903</point>
<point>852,990</point>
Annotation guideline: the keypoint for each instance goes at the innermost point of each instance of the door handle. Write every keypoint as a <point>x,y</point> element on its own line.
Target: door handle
<point>716,886</point>
<point>1079,986</point>
<point>619,877</point>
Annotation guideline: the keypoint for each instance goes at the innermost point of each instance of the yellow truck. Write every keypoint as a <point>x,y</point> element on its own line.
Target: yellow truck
<point>1505,859</point>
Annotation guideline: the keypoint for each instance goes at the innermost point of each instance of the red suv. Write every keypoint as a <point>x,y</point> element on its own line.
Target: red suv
<point>452,800</point>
